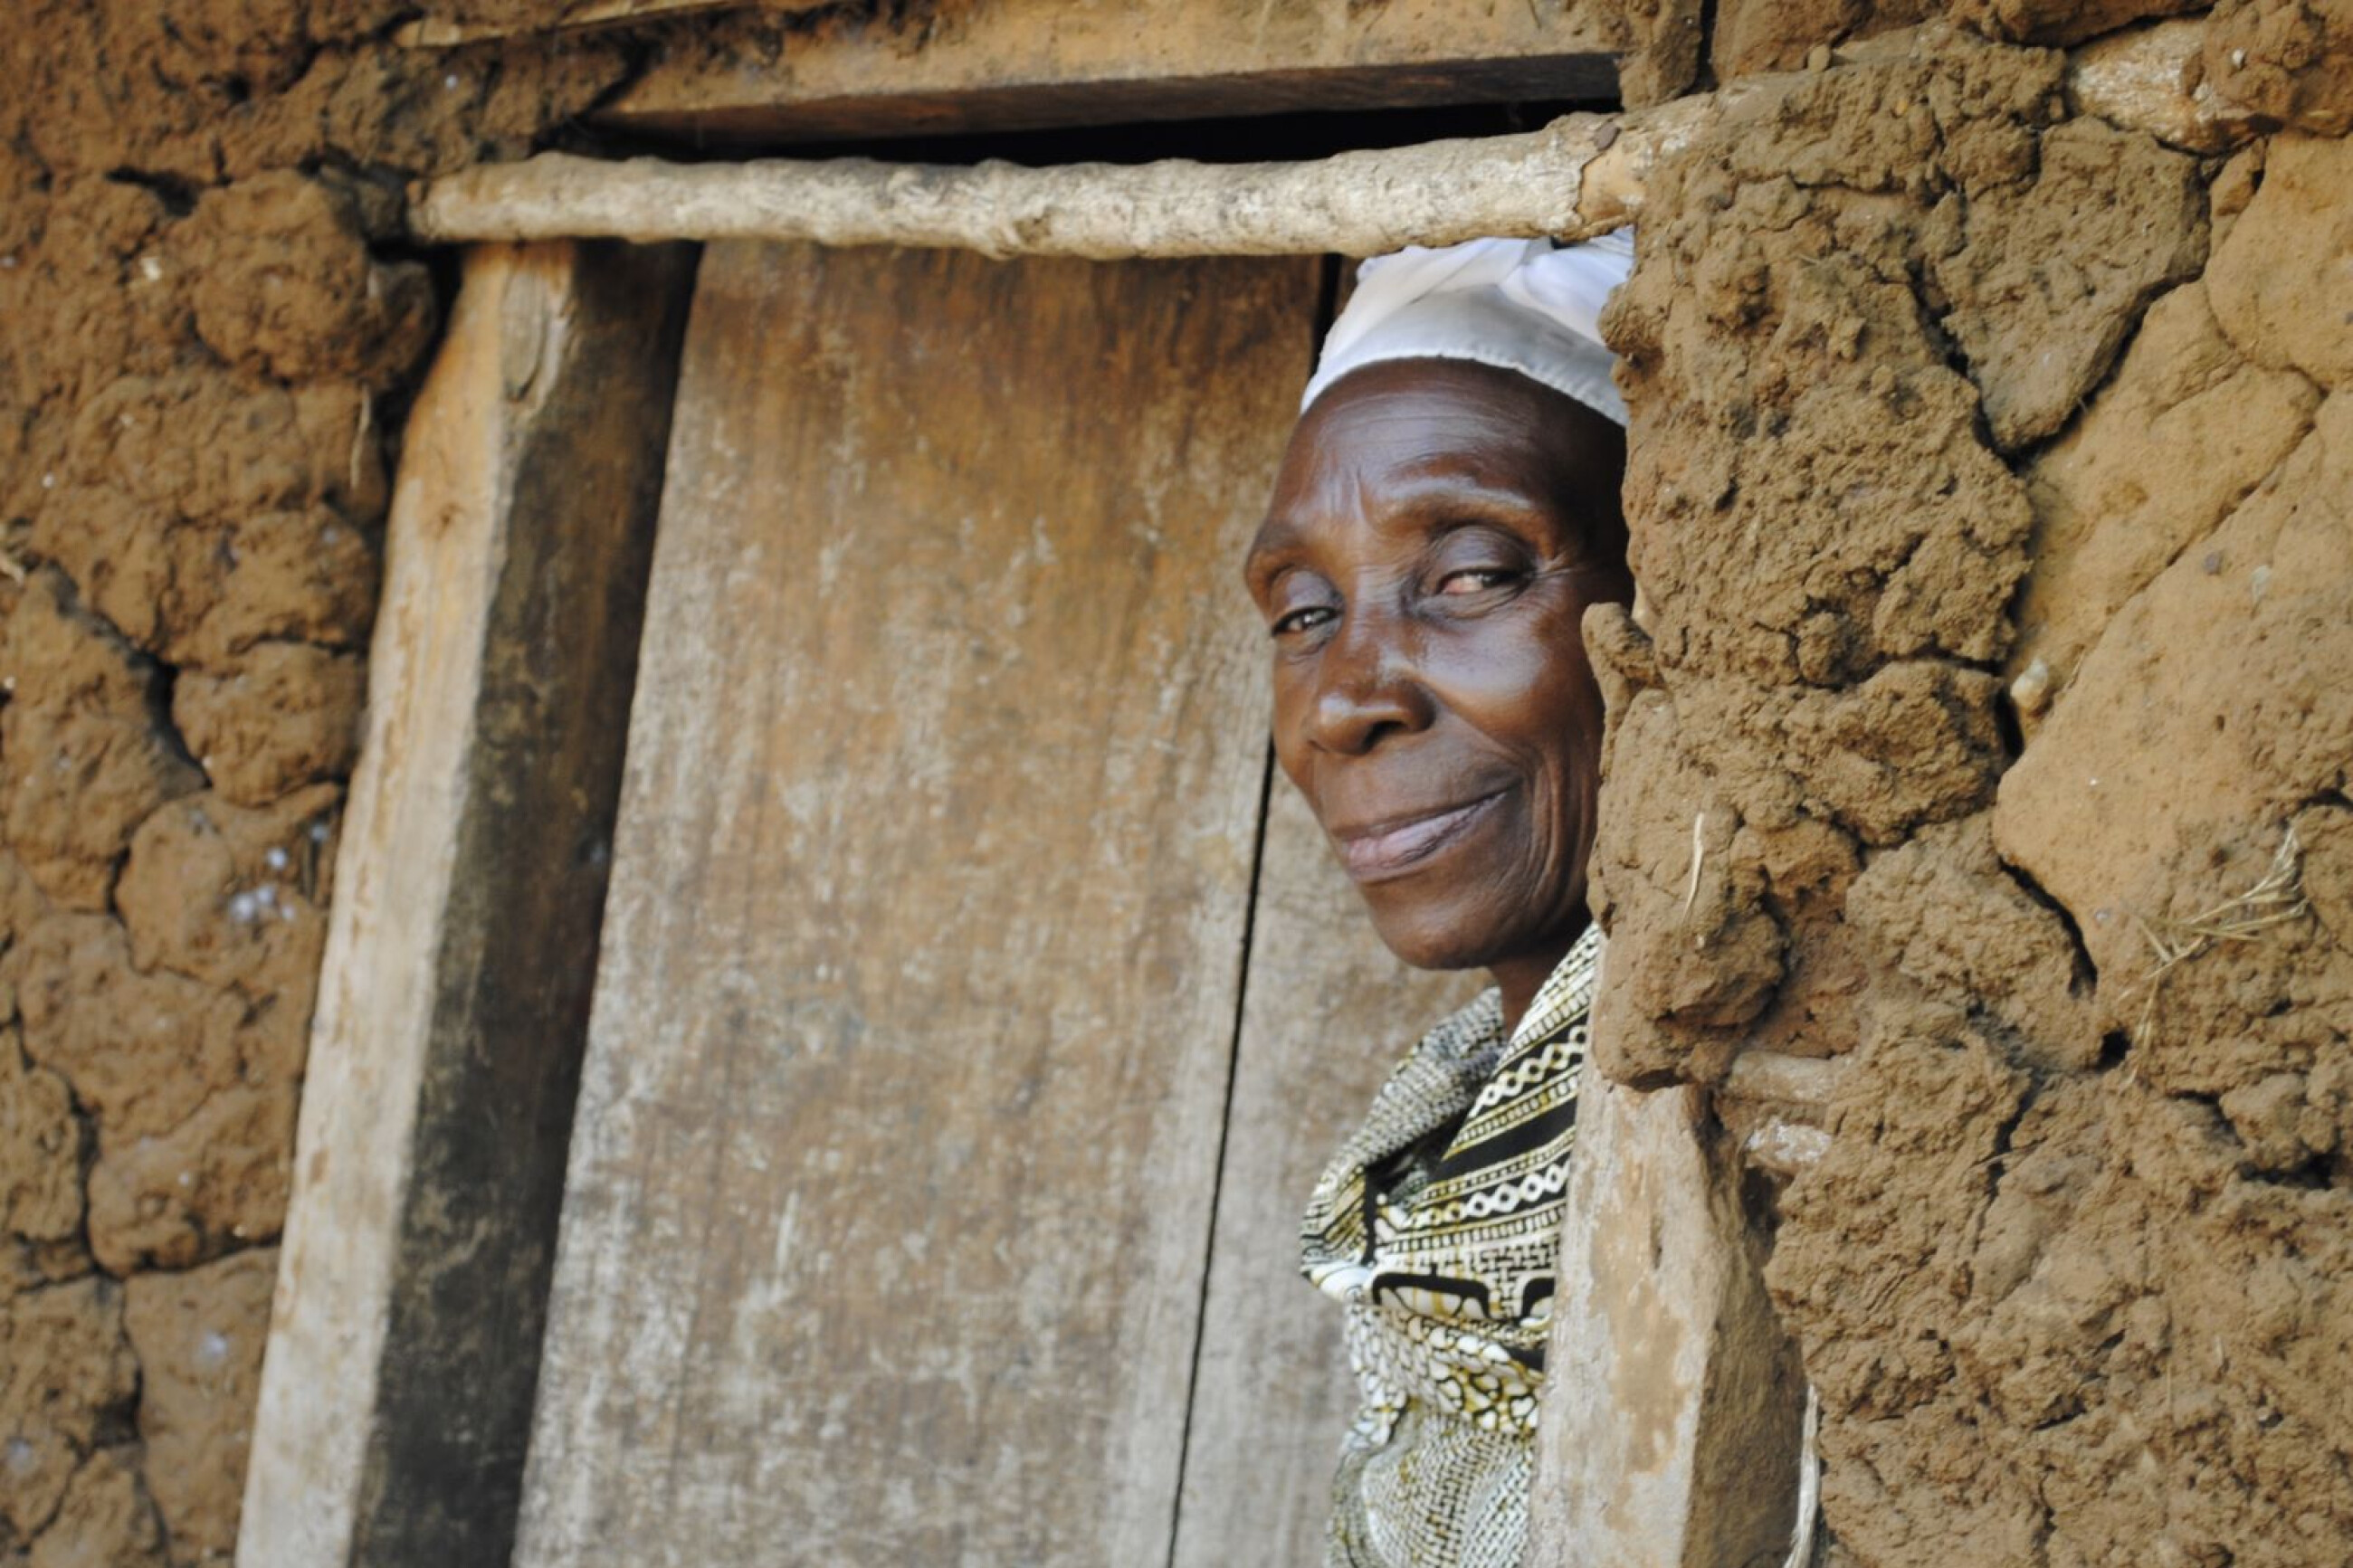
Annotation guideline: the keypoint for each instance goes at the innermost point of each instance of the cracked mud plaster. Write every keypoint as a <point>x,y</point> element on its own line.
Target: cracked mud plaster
<point>208,330</point>
<point>198,1336</point>
<point>67,1385</point>
<point>2074,1289</point>
<point>2288,60</point>
<point>1753,35</point>
<point>1802,691</point>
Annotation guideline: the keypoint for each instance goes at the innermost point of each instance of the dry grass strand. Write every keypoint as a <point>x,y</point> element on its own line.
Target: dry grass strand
<point>2276,900</point>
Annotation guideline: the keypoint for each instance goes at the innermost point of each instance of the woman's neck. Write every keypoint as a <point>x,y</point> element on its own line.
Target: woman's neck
<point>1517,980</point>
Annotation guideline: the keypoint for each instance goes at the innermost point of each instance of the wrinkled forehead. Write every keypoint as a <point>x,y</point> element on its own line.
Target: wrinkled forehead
<point>1392,433</point>
<point>1428,414</point>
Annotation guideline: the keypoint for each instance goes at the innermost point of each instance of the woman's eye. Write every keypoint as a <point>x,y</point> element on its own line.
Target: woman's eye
<point>1302,619</point>
<point>1475,580</point>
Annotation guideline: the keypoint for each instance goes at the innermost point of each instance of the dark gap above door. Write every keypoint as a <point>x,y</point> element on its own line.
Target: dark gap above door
<point>1233,138</point>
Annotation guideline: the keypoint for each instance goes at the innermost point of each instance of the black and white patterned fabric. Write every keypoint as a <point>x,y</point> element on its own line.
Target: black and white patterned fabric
<point>1438,1228</point>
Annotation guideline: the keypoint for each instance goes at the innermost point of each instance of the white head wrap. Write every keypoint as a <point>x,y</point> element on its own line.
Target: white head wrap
<point>1516,304</point>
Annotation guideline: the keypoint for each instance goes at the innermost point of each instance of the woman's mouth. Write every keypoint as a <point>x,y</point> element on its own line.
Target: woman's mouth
<point>1384,849</point>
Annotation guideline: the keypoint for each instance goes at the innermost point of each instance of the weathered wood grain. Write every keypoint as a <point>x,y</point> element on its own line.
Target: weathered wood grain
<point>890,1199</point>
<point>453,1008</point>
<point>1326,1014</point>
<point>1004,65</point>
<point>1673,1400</point>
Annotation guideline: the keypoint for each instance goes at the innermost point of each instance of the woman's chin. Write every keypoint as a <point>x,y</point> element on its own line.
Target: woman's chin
<point>1426,938</point>
<point>1476,928</point>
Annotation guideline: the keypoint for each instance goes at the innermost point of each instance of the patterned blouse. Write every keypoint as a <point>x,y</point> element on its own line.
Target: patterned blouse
<point>1438,1225</point>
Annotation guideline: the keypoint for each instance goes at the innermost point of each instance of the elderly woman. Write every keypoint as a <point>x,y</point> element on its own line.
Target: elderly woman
<point>1445,514</point>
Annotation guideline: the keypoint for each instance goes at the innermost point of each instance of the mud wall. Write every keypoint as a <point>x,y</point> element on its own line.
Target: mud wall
<point>1990,506</point>
<point>1986,722</point>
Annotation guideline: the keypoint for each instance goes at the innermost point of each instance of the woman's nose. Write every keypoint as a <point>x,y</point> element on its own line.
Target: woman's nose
<point>1368,688</point>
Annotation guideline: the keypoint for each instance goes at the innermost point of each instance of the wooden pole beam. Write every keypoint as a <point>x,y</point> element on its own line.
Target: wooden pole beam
<point>1581,176</point>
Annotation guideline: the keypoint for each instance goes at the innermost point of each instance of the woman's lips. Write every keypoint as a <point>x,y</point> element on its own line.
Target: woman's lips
<point>1383,848</point>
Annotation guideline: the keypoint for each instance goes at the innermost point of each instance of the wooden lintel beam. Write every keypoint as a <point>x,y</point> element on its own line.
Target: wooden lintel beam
<point>1006,65</point>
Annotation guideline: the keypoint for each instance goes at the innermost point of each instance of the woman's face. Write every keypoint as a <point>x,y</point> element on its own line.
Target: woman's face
<point>1437,531</point>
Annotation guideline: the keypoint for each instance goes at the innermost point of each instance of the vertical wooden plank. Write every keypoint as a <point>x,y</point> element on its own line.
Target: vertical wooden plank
<point>1673,1404</point>
<point>397,1386</point>
<point>890,1200</point>
<point>1327,1012</point>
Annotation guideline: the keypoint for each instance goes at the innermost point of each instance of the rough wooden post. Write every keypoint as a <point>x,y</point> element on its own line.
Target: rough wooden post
<point>404,1341</point>
<point>1673,1401</point>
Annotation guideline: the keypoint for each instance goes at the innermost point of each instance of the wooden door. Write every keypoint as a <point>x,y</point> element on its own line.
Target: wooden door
<point>945,1119</point>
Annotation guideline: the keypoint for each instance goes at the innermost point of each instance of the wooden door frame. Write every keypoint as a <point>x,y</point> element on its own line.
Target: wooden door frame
<point>429,1156</point>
